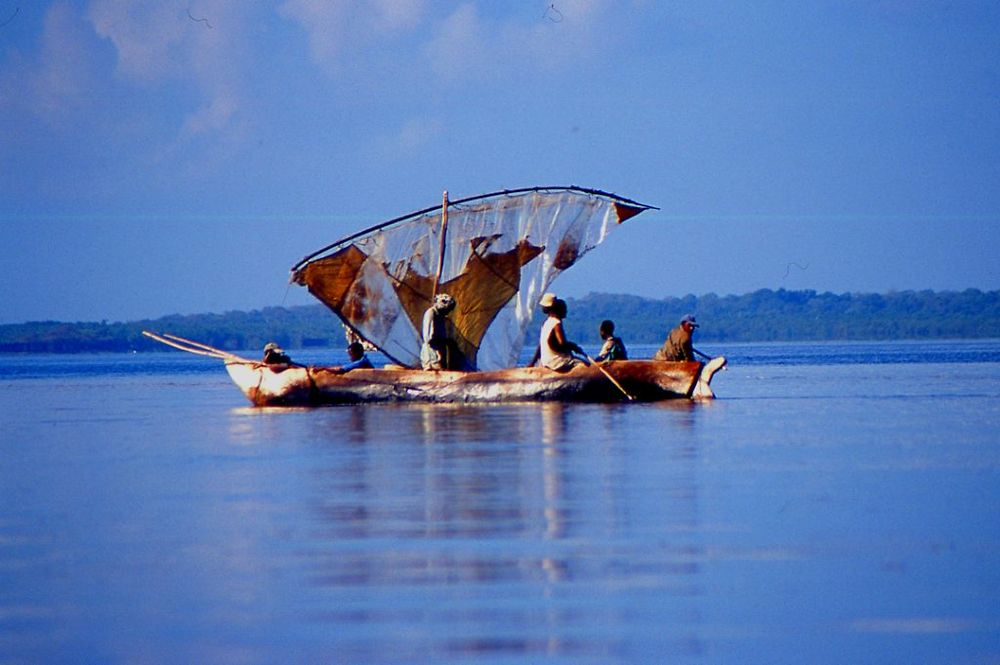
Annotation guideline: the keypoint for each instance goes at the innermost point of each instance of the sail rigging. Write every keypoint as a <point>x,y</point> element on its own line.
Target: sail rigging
<point>500,253</point>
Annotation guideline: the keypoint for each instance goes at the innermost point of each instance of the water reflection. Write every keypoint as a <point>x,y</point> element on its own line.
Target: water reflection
<point>143,520</point>
<point>497,521</point>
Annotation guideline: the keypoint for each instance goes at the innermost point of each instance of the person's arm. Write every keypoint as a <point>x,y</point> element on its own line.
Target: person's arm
<point>688,349</point>
<point>355,364</point>
<point>428,328</point>
<point>558,341</point>
<point>535,357</point>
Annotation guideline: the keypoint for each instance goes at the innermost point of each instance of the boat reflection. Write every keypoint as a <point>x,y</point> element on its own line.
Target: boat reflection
<point>476,519</point>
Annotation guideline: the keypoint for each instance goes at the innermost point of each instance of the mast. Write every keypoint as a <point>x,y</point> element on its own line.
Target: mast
<point>441,246</point>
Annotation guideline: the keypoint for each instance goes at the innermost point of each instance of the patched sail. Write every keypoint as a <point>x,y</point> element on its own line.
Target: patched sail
<point>501,252</point>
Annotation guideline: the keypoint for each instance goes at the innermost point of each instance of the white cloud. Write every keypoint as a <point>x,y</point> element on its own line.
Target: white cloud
<point>394,15</point>
<point>336,28</point>
<point>465,45</point>
<point>410,138</point>
<point>215,116</point>
<point>58,80</point>
<point>202,43</point>
<point>203,53</point>
<point>460,45</point>
<point>148,38</point>
<point>465,40</point>
<point>323,23</point>
<point>416,134</point>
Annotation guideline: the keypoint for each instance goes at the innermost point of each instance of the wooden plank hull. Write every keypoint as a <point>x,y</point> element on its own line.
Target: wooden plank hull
<point>645,380</point>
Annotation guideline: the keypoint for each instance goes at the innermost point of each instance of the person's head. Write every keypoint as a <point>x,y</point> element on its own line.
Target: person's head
<point>547,301</point>
<point>558,309</point>
<point>444,303</point>
<point>271,347</point>
<point>553,306</point>
<point>355,350</point>
<point>689,323</point>
<point>607,329</point>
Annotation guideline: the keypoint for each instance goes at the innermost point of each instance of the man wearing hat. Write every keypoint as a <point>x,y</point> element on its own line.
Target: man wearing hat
<point>554,350</point>
<point>678,344</point>
<point>273,355</point>
<point>439,351</point>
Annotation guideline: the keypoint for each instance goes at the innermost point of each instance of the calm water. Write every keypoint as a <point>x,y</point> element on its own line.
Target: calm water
<point>837,504</point>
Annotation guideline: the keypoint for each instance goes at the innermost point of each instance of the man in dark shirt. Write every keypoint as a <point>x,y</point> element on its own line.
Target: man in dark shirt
<point>678,344</point>
<point>273,355</point>
<point>356,352</point>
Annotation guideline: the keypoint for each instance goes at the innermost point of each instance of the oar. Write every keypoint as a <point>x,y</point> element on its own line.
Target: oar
<point>610,378</point>
<point>703,355</point>
<point>708,357</point>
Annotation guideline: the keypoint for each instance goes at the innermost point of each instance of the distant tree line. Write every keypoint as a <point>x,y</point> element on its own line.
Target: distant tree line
<point>782,315</point>
<point>293,327</point>
<point>763,315</point>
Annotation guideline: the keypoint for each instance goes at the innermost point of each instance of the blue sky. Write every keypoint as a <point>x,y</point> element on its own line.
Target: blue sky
<point>180,156</point>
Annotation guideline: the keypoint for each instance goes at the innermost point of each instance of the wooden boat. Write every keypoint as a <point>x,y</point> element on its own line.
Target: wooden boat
<point>639,380</point>
<point>495,254</point>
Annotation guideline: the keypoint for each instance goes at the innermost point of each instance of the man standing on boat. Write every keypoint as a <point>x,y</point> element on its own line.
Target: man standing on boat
<point>439,351</point>
<point>554,350</point>
<point>678,345</point>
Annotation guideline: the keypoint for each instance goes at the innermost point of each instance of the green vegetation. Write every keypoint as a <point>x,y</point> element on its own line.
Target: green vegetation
<point>781,315</point>
<point>763,315</point>
<point>294,327</point>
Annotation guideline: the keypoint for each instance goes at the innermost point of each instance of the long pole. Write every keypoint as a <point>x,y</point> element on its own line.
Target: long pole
<point>611,378</point>
<point>441,246</point>
<point>193,347</point>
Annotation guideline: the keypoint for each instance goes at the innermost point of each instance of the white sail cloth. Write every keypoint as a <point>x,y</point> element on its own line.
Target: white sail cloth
<point>501,253</point>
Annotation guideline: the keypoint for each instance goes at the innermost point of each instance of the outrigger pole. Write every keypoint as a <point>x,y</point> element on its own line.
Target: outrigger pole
<point>196,348</point>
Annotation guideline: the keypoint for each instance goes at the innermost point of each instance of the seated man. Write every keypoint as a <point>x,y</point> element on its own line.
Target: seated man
<point>554,350</point>
<point>358,359</point>
<point>273,355</point>
<point>678,344</point>
<point>613,348</point>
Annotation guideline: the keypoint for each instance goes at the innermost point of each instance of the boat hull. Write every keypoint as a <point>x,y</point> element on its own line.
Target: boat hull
<point>643,380</point>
